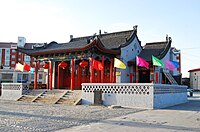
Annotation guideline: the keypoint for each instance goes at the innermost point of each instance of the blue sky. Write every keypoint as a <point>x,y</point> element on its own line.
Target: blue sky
<point>56,20</point>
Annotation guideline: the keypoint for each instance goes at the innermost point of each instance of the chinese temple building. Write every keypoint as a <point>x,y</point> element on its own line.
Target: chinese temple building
<point>70,64</point>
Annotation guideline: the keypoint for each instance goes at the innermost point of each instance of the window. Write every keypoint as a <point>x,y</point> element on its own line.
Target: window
<point>7,51</point>
<point>19,53</point>
<point>32,76</point>
<point>13,56</point>
<point>13,62</point>
<point>7,57</point>
<point>28,62</point>
<point>7,62</point>
<point>27,58</point>
<point>7,78</point>
<point>19,59</point>
<point>22,79</point>
<point>40,76</point>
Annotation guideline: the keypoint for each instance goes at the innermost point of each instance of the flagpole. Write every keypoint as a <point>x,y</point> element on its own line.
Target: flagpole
<point>153,74</point>
<point>22,77</point>
<point>136,71</point>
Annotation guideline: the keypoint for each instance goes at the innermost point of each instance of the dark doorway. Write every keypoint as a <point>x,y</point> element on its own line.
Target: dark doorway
<point>144,76</point>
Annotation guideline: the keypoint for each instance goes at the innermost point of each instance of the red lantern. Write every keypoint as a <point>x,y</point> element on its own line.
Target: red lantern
<point>144,73</point>
<point>46,66</point>
<point>62,65</point>
<point>83,63</point>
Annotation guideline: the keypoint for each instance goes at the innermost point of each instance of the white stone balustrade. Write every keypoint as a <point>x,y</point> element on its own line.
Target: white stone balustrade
<point>13,91</point>
<point>142,95</point>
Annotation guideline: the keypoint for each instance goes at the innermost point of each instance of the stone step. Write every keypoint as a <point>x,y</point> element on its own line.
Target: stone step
<point>51,97</point>
<point>26,98</point>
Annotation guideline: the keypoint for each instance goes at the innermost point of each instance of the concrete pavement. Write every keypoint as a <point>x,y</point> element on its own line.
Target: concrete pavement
<point>184,117</point>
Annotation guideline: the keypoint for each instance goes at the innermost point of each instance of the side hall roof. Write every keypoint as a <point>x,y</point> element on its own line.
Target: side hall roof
<point>157,49</point>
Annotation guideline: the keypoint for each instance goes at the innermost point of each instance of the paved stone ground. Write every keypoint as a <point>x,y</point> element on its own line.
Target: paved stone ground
<point>180,118</point>
<point>33,117</point>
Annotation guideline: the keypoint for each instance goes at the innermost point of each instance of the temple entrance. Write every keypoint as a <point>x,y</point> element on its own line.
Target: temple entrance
<point>65,78</point>
<point>82,73</point>
<point>144,76</point>
<point>64,75</point>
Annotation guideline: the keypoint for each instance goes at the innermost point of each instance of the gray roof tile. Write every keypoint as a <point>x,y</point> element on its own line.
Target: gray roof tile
<point>111,41</point>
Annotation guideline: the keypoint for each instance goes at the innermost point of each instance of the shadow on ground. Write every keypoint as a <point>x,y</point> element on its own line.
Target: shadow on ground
<point>193,104</point>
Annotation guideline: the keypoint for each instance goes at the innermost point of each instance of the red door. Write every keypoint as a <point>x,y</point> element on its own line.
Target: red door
<point>65,77</point>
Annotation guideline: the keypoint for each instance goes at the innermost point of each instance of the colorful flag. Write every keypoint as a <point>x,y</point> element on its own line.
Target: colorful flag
<point>27,67</point>
<point>176,65</point>
<point>97,65</point>
<point>19,67</point>
<point>156,61</point>
<point>119,64</point>
<point>169,65</point>
<point>141,62</point>
<point>32,70</point>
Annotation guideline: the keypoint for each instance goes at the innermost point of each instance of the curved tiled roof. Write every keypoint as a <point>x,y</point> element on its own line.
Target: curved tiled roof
<point>157,49</point>
<point>109,41</point>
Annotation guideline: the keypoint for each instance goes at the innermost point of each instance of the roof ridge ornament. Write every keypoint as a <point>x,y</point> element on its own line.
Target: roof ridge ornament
<point>135,28</point>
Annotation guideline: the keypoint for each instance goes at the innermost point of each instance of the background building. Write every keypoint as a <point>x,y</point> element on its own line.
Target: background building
<point>9,56</point>
<point>195,78</point>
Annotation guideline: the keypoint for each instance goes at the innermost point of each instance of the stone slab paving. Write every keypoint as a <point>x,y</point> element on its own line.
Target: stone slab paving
<point>180,118</point>
<point>18,116</point>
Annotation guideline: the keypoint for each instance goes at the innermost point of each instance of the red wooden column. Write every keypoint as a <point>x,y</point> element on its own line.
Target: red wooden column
<point>50,75</point>
<point>79,76</point>
<point>58,84</point>
<point>114,80</point>
<point>102,71</point>
<point>157,77</point>
<point>111,70</point>
<point>91,70</point>
<point>98,76</point>
<point>35,75</point>
<point>152,74</point>
<point>131,77</point>
<point>72,75</point>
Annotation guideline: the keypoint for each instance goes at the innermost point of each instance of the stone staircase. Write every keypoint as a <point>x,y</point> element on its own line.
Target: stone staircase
<point>70,98</point>
<point>30,95</point>
<point>26,98</point>
<point>52,97</point>
<point>170,77</point>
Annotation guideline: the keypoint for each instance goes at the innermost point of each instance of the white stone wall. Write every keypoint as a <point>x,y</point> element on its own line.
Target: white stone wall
<point>128,53</point>
<point>169,95</point>
<point>126,94</point>
<point>12,91</point>
<point>169,99</point>
<point>139,95</point>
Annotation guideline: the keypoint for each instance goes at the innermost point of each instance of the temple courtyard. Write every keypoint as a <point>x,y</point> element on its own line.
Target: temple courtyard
<point>37,117</point>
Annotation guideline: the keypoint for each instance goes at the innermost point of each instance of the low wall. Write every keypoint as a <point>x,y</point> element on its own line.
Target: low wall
<point>169,95</point>
<point>141,95</point>
<point>13,91</point>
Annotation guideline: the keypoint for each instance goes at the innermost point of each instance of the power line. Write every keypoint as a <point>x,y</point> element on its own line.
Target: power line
<point>193,48</point>
<point>190,54</point>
